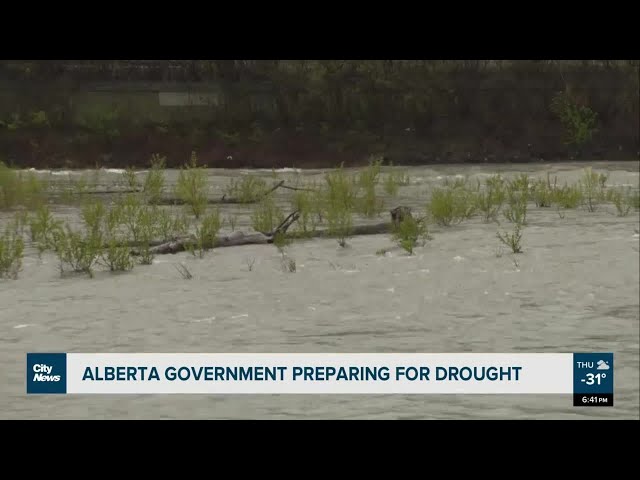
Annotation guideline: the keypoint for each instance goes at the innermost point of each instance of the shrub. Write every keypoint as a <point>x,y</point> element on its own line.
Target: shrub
<point>206,232</point>
<point>592,186</point>
<point>567,196</point>
<point>542,192</point>
<point>155,179</point>
<point>621,200</point>
<point>76,250</point>
<point>512,240</point>
<point>369,204</point>
<point>11,253</point>
<point>43,225</point>
<point>517,210</point>
<point>305,203</point>
<point>20,188</point>
<point>247,190</point>
<point>579,121</point>
<point>266,216</point>
<point>450,206</point>
<point>191,187</point>
<point>409,232</point>
<point>489,201</point>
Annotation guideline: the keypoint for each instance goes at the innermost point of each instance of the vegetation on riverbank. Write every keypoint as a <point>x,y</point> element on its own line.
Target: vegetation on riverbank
<point>111,229</point>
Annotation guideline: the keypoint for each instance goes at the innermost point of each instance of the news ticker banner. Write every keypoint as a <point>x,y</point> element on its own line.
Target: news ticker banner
<point>588,376</point>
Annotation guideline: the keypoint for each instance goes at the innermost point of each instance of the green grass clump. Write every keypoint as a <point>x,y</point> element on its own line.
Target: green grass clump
<point>489,201</point>
<point>338,203</point>
<point>520,183</point>
<point>205,235</point>
<point>450,206</point>
<point>169,226</point>
<point>191,187</point>
<point>456,183</point>
<point>77,251</point>
<point>130,180</point>
<point>394,180</point>
<point>42,226</point>
<point>11,252</point>
<point>20,188</point>
<point>634,199</point>
<point>340,189</point>
<point>410,232</point>
<point>155,180</point>
<point>592,185</point>
<point>623,200</point>
<point>516,212</point>
<point>542,192</point>
<point>368,203</point>
<point>518,194</point>
<point>142,224</point>
<point>266,216</point>
<point>512,240</point>
<point>569,196</point>
<point>340,223</point>
<point>306,203</point>
<point>247,190</point>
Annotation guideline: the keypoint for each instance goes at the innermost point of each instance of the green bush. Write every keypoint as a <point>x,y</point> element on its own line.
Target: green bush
<point>304,202</point>
<point>368,204</point>
<point>11,252</point>
<point>567,196</point>
<point>450,206</point>
<point>266,216</point>
<point>43,225</point>
<point>512,240</point>
<point>339,201</point>
<point>622,199</point>
<point>20,188</point>
<point>206,232</point>
<point>410,232</point>
<point>155,179</point>
<point>191,187</point>
<point>579,121</point>
<point>543,192</point>
<point>516,212</point>
<point>247,190</point>
<point>592,186</point>
<point>76,250</point>
<point>488,201</point>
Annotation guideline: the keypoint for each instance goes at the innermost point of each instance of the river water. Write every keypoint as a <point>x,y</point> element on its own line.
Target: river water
<point>575,288</point>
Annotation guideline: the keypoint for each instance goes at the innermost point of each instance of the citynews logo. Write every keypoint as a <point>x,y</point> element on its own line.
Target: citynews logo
<point>46,373</point>
<point>43,373</point>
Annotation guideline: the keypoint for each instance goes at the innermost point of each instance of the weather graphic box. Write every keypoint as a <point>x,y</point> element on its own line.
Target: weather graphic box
<point>593,379</point>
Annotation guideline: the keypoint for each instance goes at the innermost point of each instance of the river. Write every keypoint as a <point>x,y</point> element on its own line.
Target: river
<point>575,288</point>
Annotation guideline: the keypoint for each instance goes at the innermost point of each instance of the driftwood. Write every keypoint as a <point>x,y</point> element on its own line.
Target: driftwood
<point>234,239</point>
<point>239,238</point>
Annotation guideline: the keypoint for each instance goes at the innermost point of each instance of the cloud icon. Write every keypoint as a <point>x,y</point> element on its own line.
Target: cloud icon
<point>602,365</point>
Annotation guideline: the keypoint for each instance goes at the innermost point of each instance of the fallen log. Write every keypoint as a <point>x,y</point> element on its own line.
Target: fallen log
<point>240,238</point>
<point>234,239</point>
<point>259,238</point>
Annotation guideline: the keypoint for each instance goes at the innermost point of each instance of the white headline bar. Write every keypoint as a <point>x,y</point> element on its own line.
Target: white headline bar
<point>317,373</point>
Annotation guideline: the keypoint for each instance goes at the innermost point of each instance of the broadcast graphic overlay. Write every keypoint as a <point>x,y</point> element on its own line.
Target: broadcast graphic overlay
<point>588,376</point>
<point>593,380</point>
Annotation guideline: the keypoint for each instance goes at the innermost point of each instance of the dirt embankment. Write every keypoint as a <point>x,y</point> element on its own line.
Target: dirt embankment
<point>291,149</point>
<point>409,115</point>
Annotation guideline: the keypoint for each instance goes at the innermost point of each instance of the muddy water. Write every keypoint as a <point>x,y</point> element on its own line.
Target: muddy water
<point>575,288</point>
